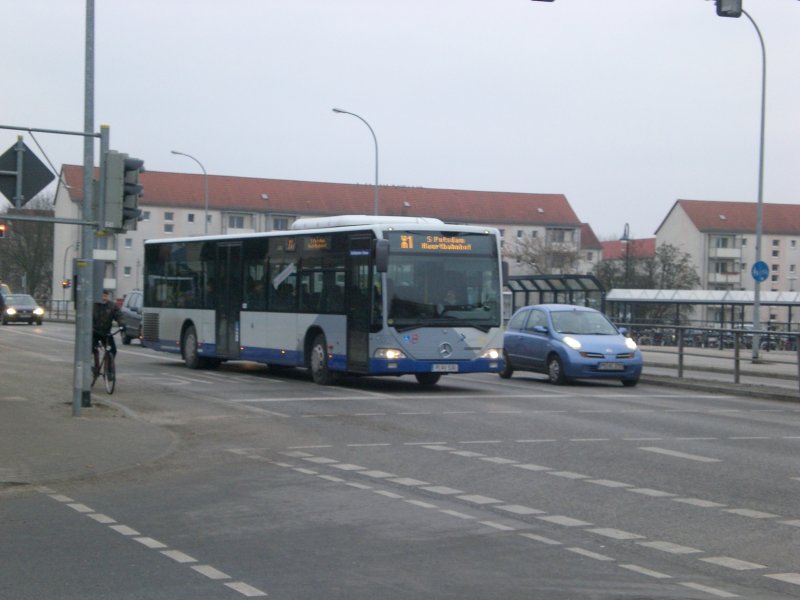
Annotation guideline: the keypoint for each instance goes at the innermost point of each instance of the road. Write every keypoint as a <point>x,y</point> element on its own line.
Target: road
<point>380,488</point>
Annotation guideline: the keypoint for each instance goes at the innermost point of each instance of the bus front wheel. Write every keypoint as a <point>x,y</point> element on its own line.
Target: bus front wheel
<point>318,361</point>
<point>428,378</point>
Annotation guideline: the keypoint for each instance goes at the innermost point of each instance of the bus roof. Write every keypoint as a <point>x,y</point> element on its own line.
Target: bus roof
<point>378,223</point>
<point>350,220</point>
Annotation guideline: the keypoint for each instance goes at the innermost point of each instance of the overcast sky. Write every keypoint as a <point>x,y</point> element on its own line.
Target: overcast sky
<point>624,106</point>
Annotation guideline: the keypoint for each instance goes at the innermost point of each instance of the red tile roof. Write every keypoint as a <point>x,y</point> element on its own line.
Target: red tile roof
<point>740,217</point>
<point>641,248</point>
<point>589,240</point>
<point>182,190</point>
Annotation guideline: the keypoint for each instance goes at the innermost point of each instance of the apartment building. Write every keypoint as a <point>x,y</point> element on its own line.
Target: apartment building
<point>174,205</point>
<point>721,239</point>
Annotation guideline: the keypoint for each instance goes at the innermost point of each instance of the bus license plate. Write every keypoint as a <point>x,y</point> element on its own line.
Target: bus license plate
<point>445,368</point>
<point>610,366</point>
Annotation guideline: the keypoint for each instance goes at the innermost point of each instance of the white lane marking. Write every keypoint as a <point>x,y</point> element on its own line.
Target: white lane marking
<point>679,454</point>
<point>541,538</point>
<point>150,543</point>
<point>348,467</point>
<point>709,590</point>
<point>437,446</point>
<point>589,554</point>
<point>589,440</point>
<point>101,518</point>
<point>441,489</point>
<point>467,453</point>
<point>520,510</point>
<point>535,441</point>
<point>651,492</point>
<point>210,572</point>
<point>368,445</point>
<point>750,437</point>
<point>358,486</point>
<point>125,530</point>
<point>373,414</point>
<point>455,513</point>
<point>670,547</point>
<point>332,478</point>
<point>733,563</point>
<point>498,526</point>
<point>422,504</point>
<point>245,589</point>
<point>530,467</point>
<point>793,522</point>
<point>61,498</point>
<point>478,499</point>
<point>699,502</point>
<point>481,442</point>
<point>564,521</point>
<point>305,471</point>
<point>610,483</point>
<point>178,556</point>
<point>377,474</point>
<point>295,453</point>
<point>753,514</point>
<point>648,572</point>
<point>81,508</point>
<point>408,481</point>
<point>320,460</point>
<point>459,412</point>
<point>388,494</point>
<point>568,474</point>
<point>787,577</point>
<point>315,447</point>
<point>616,534</point>
<point>498,460</point>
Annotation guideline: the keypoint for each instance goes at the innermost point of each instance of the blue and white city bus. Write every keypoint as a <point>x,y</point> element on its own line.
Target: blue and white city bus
<point>351,294</point>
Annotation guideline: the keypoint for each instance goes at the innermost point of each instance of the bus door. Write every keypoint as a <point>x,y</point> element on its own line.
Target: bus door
<point>359,296</point>
<point>229,298</point>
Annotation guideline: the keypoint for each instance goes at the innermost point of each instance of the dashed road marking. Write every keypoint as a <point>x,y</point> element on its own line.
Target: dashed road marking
<point>676,454</point>
<point>733,563</point>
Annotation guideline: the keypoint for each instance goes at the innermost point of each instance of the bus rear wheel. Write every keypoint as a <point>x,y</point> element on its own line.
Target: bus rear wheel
<point>318,361</point>
<point>428,378</point>
<point>189,349</point>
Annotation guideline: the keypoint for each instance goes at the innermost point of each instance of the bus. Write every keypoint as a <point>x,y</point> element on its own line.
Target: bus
<point>354,295</point>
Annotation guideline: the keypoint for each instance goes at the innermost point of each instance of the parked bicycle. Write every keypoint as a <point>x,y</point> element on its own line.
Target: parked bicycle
<point>103,363</point>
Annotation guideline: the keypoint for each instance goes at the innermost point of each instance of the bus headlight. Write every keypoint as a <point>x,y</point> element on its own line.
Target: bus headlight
<point>389,353</point>
<point>492,354</point>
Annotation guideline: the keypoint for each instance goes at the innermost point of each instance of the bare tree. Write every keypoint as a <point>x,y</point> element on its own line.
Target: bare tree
<point>26,253</point>
<point>540,257</point>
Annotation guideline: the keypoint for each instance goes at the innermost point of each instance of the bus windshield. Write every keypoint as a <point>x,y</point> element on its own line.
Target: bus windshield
<point>442,280</point>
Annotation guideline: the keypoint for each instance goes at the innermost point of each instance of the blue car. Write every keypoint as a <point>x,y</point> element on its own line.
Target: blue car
<point>569,342</point>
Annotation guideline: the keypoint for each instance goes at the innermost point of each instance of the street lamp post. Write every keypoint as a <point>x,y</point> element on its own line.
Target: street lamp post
<point>205,185</point>
<point>375,139</point>
<point>626,239</point>
<point>735,7</point>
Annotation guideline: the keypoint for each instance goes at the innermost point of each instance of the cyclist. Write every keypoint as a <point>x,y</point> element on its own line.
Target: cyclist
<point>104,313</point>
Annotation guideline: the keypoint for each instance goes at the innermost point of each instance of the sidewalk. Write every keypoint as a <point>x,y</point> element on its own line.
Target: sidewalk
<point>40,440</point>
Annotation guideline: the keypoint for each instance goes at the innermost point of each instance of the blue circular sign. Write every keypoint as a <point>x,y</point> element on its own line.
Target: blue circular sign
<point>760,271</point>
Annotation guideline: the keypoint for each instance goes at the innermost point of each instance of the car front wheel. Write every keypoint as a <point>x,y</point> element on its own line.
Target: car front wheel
<point>555,370</point>
<point>629,382</point>
<point>508,370</point>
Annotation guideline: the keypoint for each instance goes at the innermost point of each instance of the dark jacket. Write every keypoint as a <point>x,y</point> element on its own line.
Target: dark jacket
<point>102,317</point>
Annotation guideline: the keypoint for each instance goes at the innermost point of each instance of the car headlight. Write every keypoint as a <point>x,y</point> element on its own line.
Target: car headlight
<point>389,353</point>
<point>572,342</point>
<point>39,311</point>
<point>630,343</point>
<point>492,354</point>
<point>11,311</point>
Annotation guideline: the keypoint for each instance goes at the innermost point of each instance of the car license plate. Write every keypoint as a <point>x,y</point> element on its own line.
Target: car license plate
<point>610,366</point>
<point>445,368</point>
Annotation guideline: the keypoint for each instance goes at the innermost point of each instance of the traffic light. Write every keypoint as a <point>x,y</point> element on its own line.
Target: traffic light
<point>122,190</point>
<point>2,230</point>
<point>729,8</point>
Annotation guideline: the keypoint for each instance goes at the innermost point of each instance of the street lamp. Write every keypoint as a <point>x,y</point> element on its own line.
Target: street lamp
<point>760,201</point>
<point>205,184</point>
<point>375,139</point>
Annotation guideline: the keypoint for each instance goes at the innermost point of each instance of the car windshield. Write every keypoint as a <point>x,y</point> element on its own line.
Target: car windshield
<point>582,323</point>
<point>20,300</point>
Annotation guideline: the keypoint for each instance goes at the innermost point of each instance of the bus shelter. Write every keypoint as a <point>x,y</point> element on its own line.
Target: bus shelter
<point>581,290</point>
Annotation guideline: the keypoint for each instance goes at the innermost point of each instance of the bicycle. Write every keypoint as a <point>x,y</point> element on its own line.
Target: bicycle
<point>103,365</point>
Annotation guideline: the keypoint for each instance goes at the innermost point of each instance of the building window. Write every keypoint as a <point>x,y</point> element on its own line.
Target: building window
<point>168,227</point>
<point>792,268</point>
<point>280,223</point>
<point>774,268</point>
<point>590,256</point>
<point>190,217</point>
<point>744,241</point>
<point>169,216</point>
<point>794,243</point>
<point>129,242</point>
<point>126,272</point>
<point>236,222</point>
<point>776,243</point>
<point>744,266</point>
<point>146,215</point>
<point>775,252</point>
<point>774,278</point>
